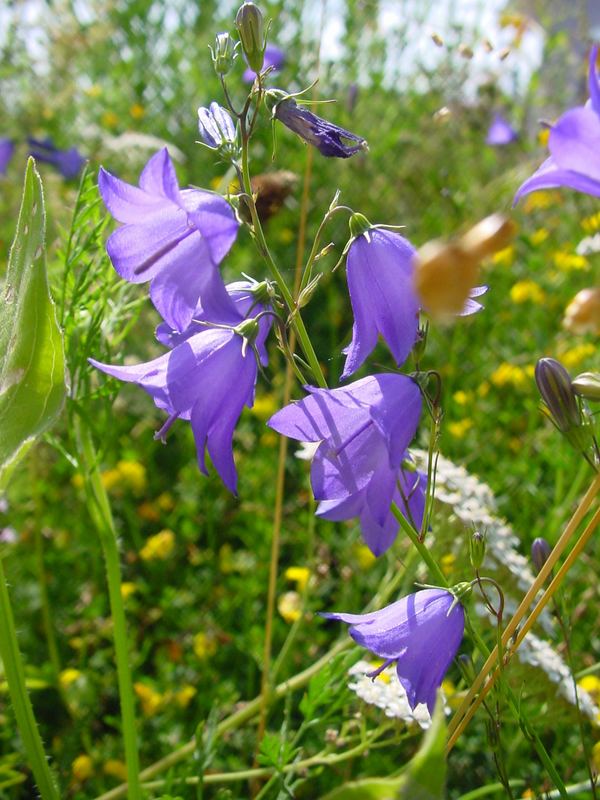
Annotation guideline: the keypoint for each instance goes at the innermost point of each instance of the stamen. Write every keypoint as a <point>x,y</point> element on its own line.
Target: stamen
<point>162,433</point>
<point>380,669</point>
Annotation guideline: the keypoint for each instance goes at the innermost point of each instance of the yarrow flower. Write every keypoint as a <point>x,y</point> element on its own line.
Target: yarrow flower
<point>574,144</point>
<point>419,633</point>
<point>329,139</point>
<point>207,378</point>
<point>500,132</point>
<point>364,430</point>
<point>274,57</point>
<point>171,237</point>
<point>68,162</point>
<point>7,148</point>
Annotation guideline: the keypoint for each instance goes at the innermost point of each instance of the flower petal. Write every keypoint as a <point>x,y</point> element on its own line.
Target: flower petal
<point>574,142</point>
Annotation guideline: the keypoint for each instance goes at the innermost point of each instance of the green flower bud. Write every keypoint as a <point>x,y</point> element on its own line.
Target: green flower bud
<point>587,385</point>
<point>359,224</point>
<point>224,53</point>
<point>477,549</point>
<point>250,24</point>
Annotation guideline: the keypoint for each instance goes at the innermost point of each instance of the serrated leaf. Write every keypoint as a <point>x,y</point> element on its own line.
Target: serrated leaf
<point>423,779</point>
<point>32,365</point>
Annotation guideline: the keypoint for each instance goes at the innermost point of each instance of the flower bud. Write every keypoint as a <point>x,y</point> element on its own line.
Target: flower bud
<point>477,549</point>
<point>582,315</point>
<point>554,384</point>
<point>217,129</point>
<point>443,277</point>
<point>250,24</point>
<point>540,550</point>
<point>359,224</point>
<point>587,385</point>
<point>487,237</point>
<point>223,54</point>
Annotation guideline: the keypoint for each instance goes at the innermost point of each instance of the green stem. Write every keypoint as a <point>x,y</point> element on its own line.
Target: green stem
<point>45,602</point>
<point>100,511</point>
<point>15,677</point>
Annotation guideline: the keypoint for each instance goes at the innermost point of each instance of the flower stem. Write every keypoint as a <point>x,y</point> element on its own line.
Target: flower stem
<point>101,514</point>
<point>15,677</point>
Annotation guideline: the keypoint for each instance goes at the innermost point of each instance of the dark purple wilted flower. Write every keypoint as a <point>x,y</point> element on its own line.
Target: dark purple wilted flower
<point>171,237</point>
<point>373,502</point>
<point>500,132</point>
<point>380,272</point>
<point>419,632</point>
<point>216,127</point>
<point>574,145</point>
<point>274,57</point>
<point>68,162</point>
<point>7,148</point>
<point>325,136</point>
<point>207,379</point>
<point>363,430</point>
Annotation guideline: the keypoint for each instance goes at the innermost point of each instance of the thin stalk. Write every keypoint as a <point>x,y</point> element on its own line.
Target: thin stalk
<point>45,602</point>
<point>100,511</point>
<point>15,677</point>
<point>538,584</point>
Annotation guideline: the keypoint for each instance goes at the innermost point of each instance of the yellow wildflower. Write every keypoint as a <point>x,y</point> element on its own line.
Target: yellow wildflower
<point>596,756</point>
<point>591,685</point>
<point>461,398</point>
<point>165,501</point>
<point>93,91</point>
<point>591,224</point>
<point>510,375</point>
<point>569,262</point>
<point>383,676</point>
<point>133,475</point>
<point>269,438</point>
<point>539,236</point>
<point>527,291</point>
<point>127,589</point>
<point>299,575</point>
<point>288,606</point>
<point>68,676</point>
<point>541,201</point>
<point>286,236</point>
<point>150,699</point>
<point>110,479</point>
<point>115,769</point>
<point>529,794</point>
<point>265,406</point>
<point>185,695</point>
<point>77,480</point>
<point>364,556</point>
<point>447,563</point>
<point>82,768</point>
<point>458,429</point>
<point>110,119</point>
<point>504,257</point>
<point>205,645</point>
<point>159,546</point>
<point>483,389</point>
<point>543,137</point>
<point>137,111</point>
<point>573,357</point>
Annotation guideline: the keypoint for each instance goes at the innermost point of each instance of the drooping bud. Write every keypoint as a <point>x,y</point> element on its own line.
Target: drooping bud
<point>250,24</point>
<point>224,53</point>
<point>587,385</point>
<point>554,383</point>
<point>540,550</point>
<point>582,315</point>
<point>477,549</point>
<point>359,224</point>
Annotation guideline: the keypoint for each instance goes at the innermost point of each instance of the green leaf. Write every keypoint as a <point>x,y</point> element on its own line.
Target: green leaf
<point>32,366</point>
<point>424,777</point>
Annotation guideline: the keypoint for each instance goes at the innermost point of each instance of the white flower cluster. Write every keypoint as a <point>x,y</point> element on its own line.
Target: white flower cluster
<point>386,692</point>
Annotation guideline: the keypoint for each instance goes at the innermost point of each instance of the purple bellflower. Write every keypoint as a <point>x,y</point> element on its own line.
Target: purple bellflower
<point>380,270</point>
<point>500,132</point>
<point>420,632</point>
<point>208,376</point>
<point>68,162</point>
<point>274,57</point>
<point>7,148</point>
<point>216,127</point>
<point>329,139</point>
<point>364,430</point>
<point>574,145</point>
<point>171,237</point>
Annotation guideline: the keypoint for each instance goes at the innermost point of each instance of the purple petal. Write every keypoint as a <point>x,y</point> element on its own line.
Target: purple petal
<point>127,203</point>
<point>274,57</point>
<point>500,132</point>
<point>158,177</point>
<point>574,142</point>
<point>7,148</point>
<point>214,218</point>
<point>550,176</point>
<point>593,85</point>
<point>397,413</point>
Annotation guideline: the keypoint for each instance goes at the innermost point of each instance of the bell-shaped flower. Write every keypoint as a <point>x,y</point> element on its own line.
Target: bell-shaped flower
<point>380,269</point>
<point>7,148</point>
<point>216,128</point>
<point>207,377</point>
<point>420,633</point>
<point>329,139</point>
<point>371,505</point>
<point>68,162</point>
<point>500,132</point>
<point>574,144</point>
<point>171,237</point>
<point>363,430</point>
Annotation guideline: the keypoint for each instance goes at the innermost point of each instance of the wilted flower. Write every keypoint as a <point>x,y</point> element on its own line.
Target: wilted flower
<point>216,127</point>
<point>574,144</point>
<point>421,633</point>
<point>500,132</point>
<point>173,238</point>
<point>325,136</point>
<point>68,162</point>
<point>7,148</point>
<point>363,430</point>
<point>273,57</point>
<point>206,378</point>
